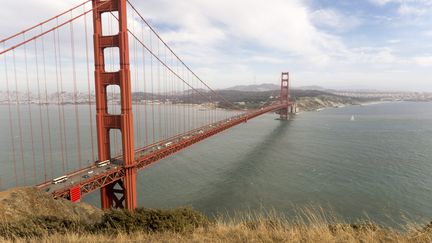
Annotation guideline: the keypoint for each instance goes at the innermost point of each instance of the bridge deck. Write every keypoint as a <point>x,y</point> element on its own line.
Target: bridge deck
<point>92,178</point>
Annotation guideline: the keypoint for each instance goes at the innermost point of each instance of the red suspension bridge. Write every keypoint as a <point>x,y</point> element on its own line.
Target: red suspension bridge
<point>77,131</point>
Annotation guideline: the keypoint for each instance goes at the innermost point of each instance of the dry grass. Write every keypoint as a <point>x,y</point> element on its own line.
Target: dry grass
<point>311,225</point>
<point>243,233</point>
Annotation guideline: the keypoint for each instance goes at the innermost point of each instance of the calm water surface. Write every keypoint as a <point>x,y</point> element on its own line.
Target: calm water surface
<point>378,166</point>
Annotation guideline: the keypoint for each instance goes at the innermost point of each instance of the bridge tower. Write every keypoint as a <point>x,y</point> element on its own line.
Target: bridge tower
<point>285,96</point>
<point>122,193</point>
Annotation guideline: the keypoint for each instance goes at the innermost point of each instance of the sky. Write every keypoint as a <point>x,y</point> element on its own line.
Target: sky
<point>342,44</point>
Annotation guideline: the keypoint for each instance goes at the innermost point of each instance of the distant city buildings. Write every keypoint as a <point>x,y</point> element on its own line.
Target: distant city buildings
<point>387,96</point>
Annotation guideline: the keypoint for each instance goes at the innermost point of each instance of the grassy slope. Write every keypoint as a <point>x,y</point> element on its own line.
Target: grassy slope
<point>23,203</point>
<point>263,230</point>
<point>186,225</point>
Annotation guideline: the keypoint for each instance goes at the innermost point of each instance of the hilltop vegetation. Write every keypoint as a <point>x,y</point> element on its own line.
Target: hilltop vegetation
<point>310,103</point>
<point>307,100</point>
<point>48,224</point>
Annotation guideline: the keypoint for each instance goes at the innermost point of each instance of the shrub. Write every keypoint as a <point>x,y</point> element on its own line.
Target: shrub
<point>152,220</point>
<point>113,222</point>
<point>40,226</point>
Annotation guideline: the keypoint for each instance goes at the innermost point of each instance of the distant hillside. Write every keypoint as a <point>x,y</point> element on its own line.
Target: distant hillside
<point>259,96</point>
<point>255,87</point>
<point>312,87</point>
<point>268,87</point>
<point>307,99</point>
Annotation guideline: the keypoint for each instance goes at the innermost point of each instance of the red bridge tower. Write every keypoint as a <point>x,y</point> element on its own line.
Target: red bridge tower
<point>285,97</point>
<point>121,193</point>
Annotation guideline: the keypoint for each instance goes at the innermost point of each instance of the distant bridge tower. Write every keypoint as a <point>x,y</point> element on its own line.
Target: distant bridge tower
<point>285,97</point>
<point>121,193</point>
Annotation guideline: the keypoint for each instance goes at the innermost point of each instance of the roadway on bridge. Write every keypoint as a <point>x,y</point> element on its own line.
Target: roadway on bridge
<point>145,156</point>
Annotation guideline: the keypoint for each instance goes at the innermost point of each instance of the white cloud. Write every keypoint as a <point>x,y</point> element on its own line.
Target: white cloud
<point>381,2</point>
<point>384,2</point>
<point>228,41</point>
<point>394,41</point>
<point>283,25</point>
<point>335,20</point>
<point>405,9</point>
<point>425,61</point>
<point>266,59</point>
<point>19,15</point>
<point>232,41</point>
<point>376,55</point>
<point>414,8</point>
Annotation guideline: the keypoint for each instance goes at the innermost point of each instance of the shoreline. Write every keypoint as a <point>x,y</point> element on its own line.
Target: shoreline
<point>368,103</point>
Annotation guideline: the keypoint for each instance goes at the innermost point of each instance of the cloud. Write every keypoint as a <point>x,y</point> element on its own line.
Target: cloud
<point>266,59</point>
<point>232,41</point>
<point>334,20</point>
<point>381,2</point>
<point>384,2</point>
<point>415,8</point>
<point>405,9</point>
<point>394,41</point>
<point>28,13</point>
<point>425,61</point>
<point>285,26</point>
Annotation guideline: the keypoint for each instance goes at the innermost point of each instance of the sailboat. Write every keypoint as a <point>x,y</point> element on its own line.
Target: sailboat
<point>352,118</point>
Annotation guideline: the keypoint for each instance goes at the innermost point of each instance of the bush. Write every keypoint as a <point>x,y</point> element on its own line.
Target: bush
<point>39,227</point>
<point>113,222</point>
<point>152,220</point>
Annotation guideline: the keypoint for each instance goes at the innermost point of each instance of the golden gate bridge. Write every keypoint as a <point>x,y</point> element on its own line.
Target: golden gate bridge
<point>86,113</point>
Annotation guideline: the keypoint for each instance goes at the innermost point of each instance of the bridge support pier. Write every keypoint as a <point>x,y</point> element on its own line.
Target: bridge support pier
<point>122,193</point>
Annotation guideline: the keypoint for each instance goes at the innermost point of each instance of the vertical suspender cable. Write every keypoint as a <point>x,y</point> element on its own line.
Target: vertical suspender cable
<point>40,113</point>
<point>174,107</point>
<point>178,94</point>
<point>152,88</point>
<point>144,88</point>
<point>159,94</point>
<point>113,103</point>
<point>138,138</point>
<point>50,154</point>
<point>62,145</point>
<point>62,104</point>
<point>19,119</point>
<point>75,96</point>
<point>186,107</point>
<point>89,88</point>
<point>11,131</point>
<point>189,106</point>
<point>167,106</point>
<point>30,112</point>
